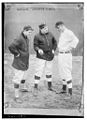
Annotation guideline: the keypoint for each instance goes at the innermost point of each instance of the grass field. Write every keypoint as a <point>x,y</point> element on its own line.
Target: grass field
<point>45,99</point>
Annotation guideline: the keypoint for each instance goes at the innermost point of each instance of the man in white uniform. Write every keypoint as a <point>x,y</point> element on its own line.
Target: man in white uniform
<point>67,41</point>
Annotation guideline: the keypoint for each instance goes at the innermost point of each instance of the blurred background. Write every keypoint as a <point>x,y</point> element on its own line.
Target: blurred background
<point>19,15</point>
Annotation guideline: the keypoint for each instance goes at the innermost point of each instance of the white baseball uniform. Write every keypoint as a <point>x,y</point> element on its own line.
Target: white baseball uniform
<point>67,41</point>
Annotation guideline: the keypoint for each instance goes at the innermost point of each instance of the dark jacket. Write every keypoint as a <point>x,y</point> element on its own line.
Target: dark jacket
<point>47,43</point>
<point>20,46</point>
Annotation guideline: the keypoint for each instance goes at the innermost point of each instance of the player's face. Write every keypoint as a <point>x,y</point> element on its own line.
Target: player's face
<point>44,30</point>
<point>60,28</point>
<point>28,32</point>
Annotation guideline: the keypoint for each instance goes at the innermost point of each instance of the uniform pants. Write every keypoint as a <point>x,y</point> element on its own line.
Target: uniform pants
<point>42,65</point>
<point>19,75</point>
<point>65,68</point>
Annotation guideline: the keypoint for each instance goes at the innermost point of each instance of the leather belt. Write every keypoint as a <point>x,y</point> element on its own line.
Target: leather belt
<point>65,52</point>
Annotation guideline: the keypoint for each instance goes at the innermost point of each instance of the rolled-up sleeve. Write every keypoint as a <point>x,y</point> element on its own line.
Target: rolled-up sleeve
<point>74,40</point>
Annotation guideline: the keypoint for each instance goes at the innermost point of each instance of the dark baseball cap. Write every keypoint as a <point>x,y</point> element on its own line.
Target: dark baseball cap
<point>59,23</point>
<point>41,26</point>
<point>28,27</point>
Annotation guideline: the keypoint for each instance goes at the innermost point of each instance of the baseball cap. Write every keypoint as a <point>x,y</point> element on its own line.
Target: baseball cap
<point>28,27</point>
<point>41,26</point>
<point>59,23</point>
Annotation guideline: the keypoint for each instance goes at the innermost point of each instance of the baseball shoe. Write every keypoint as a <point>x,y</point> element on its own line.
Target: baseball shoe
<point>24,90</point>
<point>6,104</point>
<point>18,100</point>
<point>50,89</point>
<point>63,91</point>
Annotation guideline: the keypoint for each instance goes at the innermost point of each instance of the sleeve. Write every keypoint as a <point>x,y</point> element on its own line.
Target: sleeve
<point>74,40</point>
<point>13,48</point>
<point>54,43</point>
<point>36,43</point>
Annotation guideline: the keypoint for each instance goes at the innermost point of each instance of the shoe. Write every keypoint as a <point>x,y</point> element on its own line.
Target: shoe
<point>50,89</point>
<point>63,90</point>
<point>18,100</point>
<point>24,90</point>
<point>6,105</point>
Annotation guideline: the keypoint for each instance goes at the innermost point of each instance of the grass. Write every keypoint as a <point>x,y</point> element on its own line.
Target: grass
<point>44,99</point>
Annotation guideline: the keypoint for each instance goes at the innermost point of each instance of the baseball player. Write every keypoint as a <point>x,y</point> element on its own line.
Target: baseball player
<point>67,41</point>
<point>45,46</point>
<point>20,49</point>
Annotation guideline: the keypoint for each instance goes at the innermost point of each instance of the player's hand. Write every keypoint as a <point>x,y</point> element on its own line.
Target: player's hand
<point>40,51</point>
<point>53,51</point>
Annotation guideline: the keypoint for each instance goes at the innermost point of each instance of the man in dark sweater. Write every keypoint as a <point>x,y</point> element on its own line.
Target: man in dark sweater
<point>20,49</point>
<point>45,46</point>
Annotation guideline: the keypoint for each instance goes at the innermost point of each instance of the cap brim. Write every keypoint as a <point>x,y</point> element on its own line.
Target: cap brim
<point>31,29</point>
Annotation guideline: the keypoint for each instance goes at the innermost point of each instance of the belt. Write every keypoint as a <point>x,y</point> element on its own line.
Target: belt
<point>64,52</point>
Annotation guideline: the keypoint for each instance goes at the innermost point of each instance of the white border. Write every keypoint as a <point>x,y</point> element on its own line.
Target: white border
<point>85,49</point>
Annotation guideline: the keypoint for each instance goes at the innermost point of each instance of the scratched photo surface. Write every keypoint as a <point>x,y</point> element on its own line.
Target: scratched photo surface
<point>16,16</point>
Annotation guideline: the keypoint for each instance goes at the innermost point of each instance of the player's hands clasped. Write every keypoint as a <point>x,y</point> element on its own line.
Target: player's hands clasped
<point>40,51</point>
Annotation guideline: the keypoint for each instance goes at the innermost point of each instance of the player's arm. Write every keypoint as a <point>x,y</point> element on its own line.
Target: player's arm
<point>36,43</point>
<point>13,48</point>
<point>36,46</point>
<point>74,41</point>
<point>54,44</point>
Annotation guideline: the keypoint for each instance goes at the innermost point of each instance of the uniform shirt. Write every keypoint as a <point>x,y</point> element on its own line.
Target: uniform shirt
<point>67,40</point>
<point>47,43</point>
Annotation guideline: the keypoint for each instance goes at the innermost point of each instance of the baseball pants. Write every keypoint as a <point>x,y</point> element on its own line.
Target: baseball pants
<point>42,65</point>
<point>65,68</point>
<point>19,75</point>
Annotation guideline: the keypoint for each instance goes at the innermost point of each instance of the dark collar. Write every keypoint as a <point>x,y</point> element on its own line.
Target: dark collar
<point>24,35</point>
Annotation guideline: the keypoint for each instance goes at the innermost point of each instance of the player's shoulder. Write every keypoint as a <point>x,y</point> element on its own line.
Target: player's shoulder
<point>70,32</point>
